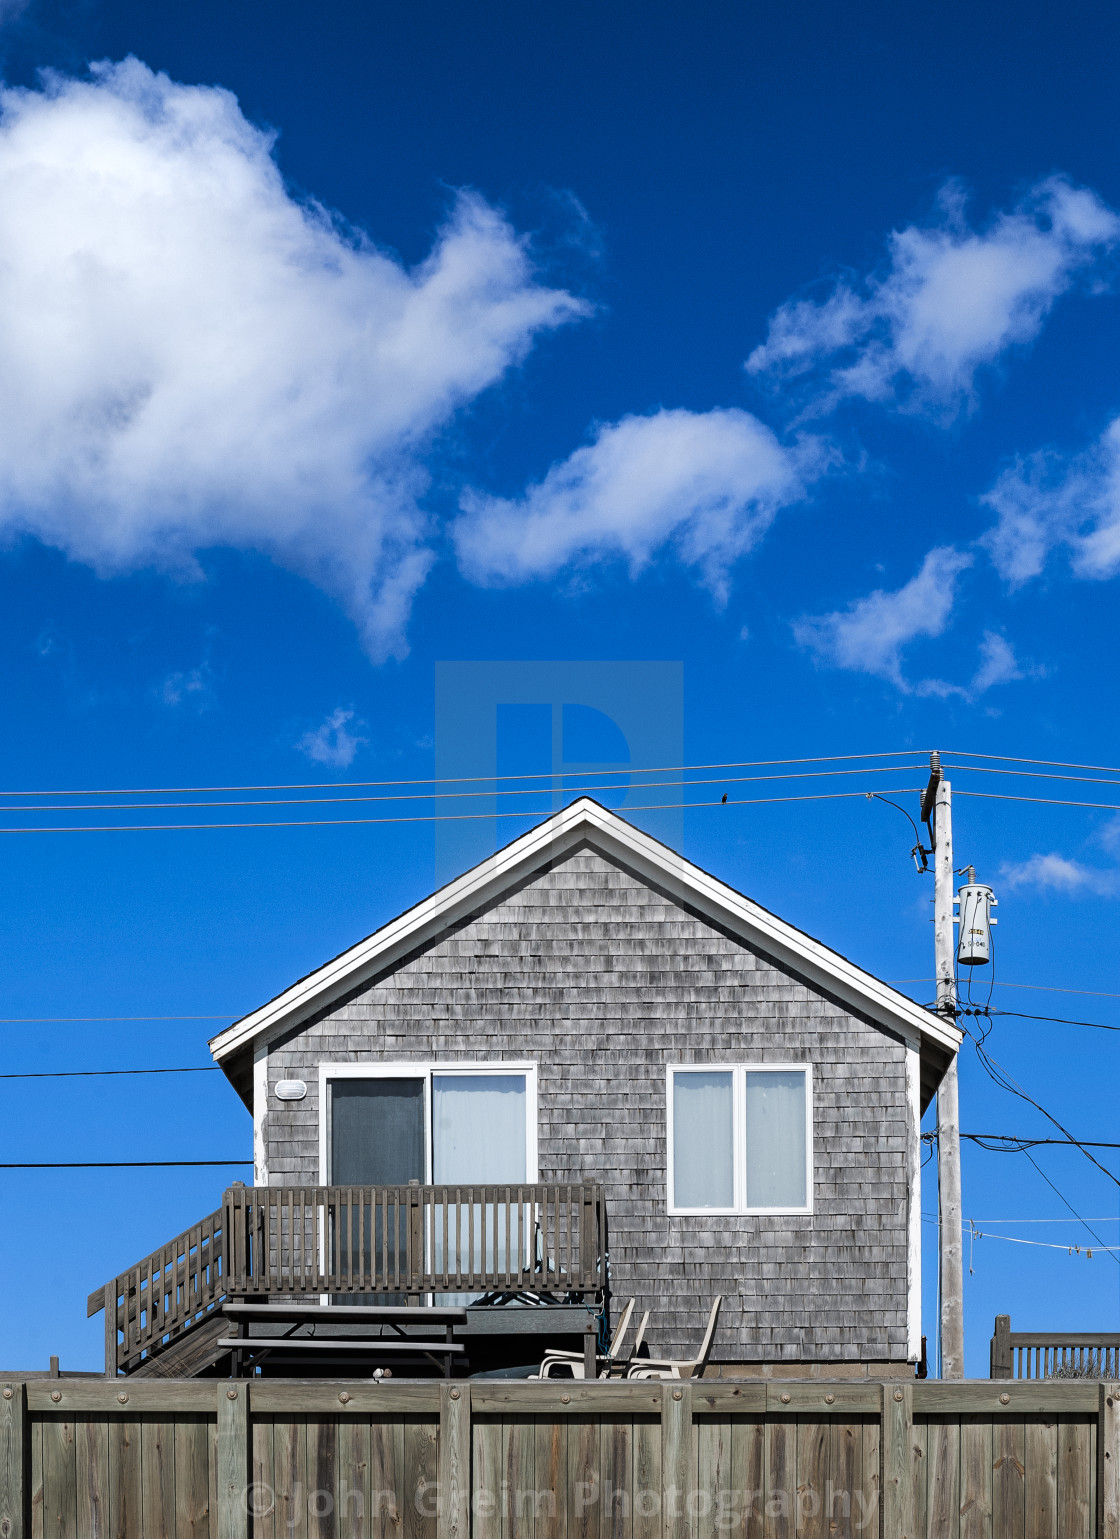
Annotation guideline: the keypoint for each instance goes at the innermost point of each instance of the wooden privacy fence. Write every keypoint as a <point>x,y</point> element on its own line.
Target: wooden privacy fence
<point>1053,1355</point>
<point>412,1240</point>
<point>264,1459</point>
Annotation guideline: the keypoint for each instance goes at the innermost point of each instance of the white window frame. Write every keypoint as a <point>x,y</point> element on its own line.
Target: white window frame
<point>738,1072</point>
<point>424,1071</point>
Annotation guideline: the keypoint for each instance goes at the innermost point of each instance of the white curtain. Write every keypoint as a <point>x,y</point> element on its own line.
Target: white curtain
<point>478,1128</point>
<point>776,1139</point>
<point>703,1140</point>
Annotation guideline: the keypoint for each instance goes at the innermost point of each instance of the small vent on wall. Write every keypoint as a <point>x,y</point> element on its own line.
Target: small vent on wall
<point>290,1090</point>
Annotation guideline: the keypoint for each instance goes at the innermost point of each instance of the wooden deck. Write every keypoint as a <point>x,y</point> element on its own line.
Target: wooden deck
<point>82,1459</point>
<point>411,1242</point>
<point>1053,1354</point>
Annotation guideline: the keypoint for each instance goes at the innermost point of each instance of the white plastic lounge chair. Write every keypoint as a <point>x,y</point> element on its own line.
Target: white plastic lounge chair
<point>572,1362</point>
<point>671,1368</point>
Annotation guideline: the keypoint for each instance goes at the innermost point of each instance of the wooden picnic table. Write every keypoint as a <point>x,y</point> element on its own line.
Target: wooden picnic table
<point>243,1316</point>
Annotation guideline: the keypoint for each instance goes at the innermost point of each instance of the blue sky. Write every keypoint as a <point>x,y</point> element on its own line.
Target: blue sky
<point>342,341</point>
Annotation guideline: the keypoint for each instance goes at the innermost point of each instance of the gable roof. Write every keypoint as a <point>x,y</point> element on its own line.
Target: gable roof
<point>587,822</point>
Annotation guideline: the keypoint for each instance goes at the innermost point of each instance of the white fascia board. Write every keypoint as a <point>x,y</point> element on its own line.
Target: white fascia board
<point>551,840</point>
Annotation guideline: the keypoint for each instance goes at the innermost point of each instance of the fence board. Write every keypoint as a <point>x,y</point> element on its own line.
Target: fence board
<point>647,1478</point>
<point>616,1477</point>
<point>845,1500</point>
<point>60,1481</point>
<point>289,1452</point>
<point>125,1502</point>
<point>1040,1478</point>
<point>322,1477</point>
<point>1076,1482</point>
<point>943,1472</point>
<point>194,1438</point>
<point>781,1458</point>
<point>157,1477</point>
<point>91,1448</point>
<point>811,1478</point>
<point>584,1483</point>
<point>1009,1496</point>
<point>486,1468</point>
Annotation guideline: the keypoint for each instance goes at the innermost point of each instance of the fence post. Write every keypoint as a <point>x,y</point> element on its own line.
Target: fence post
<point>13,1460</point>
<point>1108,1463</point>
<point>453,1521</point>
<point>897,1444</point>
<point>676,1448</point>
<point>111,1328</point>
<point>1002,1363</point>
<point>233,1460</point>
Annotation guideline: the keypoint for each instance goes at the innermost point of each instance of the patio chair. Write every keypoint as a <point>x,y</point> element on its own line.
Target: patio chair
<point>673,1368</point>
<point>572,1362</point>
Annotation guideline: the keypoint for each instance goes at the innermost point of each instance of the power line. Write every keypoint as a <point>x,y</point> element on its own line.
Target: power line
<point>208,1068</point>
<point>427,796</point>
<point>1006,758</point>
<point>1017,1145</point>
<point>1000,983</point>
<point>1045,801</point>
<point>999,1075</point>
<point>448,817</point>
<point>1021,1015</point>
<point>117,1164</point>
<point>985,769</point>
<point>327,785</point>
<point>64,1020</point>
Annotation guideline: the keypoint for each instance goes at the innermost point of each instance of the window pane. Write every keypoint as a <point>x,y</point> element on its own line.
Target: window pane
<point>478,1127</point>
<point>703,1163</point>
<point>377,1132</point>
<point>776,1139</point>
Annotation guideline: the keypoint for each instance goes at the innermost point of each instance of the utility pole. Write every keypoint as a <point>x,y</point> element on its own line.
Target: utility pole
<point>937,811</point>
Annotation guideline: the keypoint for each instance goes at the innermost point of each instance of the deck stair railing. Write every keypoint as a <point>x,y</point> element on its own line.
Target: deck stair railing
<point>1053,1354</point>
<point>410,1241</point>
<point>163,1296</point>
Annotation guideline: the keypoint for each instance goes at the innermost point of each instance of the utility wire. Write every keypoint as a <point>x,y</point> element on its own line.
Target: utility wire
<point>427,796</point>
<point>999,1075</point>
<point>208,1068</point>
<point>448,817</point>
<point>327,785</point>
<point>1006,758</point>
<point>65,1020</point>
<point>1021,1015</point>
<point>117,1164</point>
<point>1000,983</point>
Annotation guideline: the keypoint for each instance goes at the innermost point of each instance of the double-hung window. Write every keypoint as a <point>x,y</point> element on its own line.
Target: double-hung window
<point>740,1138</point>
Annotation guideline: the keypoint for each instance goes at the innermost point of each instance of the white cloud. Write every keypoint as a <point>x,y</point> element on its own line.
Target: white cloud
<point>705,485</point>
<point>332,742</point>
<point>998,664</point>
<point>1044,501</point>
<point>951,300</point>
<point>191,358</point>
<point>193,685</point>
<point>1056,873</point>
<point>869,636</point>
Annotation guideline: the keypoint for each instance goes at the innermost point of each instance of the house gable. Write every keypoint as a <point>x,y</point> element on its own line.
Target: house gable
<point>586,823</point>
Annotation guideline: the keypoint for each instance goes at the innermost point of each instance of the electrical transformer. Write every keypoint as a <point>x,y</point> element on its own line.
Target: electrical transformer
<point>974,939</point>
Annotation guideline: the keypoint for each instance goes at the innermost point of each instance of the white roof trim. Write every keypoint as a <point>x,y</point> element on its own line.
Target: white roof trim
<point>550,840</point>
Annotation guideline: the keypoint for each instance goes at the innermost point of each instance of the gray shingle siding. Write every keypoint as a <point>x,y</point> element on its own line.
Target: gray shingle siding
<point>602,981</point>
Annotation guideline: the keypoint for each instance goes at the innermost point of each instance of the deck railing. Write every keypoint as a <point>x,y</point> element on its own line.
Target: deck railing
<point>167,1293</point>
<point>409,1241</point>
<point>1053,1354</point>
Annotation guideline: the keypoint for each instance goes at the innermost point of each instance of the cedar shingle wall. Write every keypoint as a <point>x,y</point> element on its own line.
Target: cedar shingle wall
<point>603,981</point>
